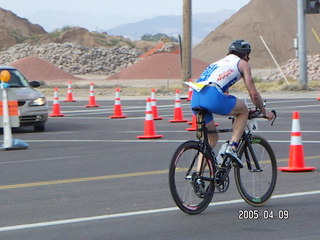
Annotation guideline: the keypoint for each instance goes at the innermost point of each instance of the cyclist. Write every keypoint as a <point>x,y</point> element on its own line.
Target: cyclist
<point>216,79</point>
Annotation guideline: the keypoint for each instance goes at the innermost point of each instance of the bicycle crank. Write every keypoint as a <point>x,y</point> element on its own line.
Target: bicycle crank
<point>198,186</point>
<point>222,181</point>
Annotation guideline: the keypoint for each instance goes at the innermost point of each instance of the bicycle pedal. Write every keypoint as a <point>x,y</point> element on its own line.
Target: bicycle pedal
<point>235,162</point>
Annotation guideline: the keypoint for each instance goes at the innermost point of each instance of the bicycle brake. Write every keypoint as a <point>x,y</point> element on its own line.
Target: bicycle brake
<point>275,116</point>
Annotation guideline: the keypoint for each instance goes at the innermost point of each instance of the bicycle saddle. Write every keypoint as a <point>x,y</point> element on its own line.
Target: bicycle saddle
<point>200,110</point>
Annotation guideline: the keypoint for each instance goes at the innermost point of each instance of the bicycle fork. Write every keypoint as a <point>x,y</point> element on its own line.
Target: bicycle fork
<point>248,151</point>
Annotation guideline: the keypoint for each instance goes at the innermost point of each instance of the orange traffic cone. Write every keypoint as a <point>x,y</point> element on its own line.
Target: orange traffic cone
<point>194,124</point>
<point>56,105</point>
<point>178,113</point>
<point>117,113</point>
<point>149,126</point>
<point>154,105</point>
<point>296,154</point>
<point>190,91</point>
<point>69,94</point>
<point>92,98</point>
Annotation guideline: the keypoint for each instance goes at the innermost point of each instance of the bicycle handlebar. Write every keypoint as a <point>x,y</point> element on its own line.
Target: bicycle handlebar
<point>256,113</point>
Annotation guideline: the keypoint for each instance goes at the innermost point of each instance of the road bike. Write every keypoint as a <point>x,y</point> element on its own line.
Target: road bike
<point>195,174</point>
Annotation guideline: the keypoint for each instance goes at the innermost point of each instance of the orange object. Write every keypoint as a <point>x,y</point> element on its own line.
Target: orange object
<point>69,94</point>
<point>178,112</point>
<point>296,152</point>
<point>149,126</point>
<point>117,110</point>
<point>56,105</point>
<point>190,91</point>
<point>13,108</point>
<point>154,105</point>
<point>92,98</point>
<point>194,124</point>
<point>152,51</point>
<point>5,76</point>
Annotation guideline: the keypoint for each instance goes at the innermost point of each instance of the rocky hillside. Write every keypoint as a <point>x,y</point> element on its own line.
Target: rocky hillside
<point>74,50</point>
<point>15,30</point>
<point>291,69</point>
<point>74,58</point>
<point>274,20</point>
<point>78,51</point>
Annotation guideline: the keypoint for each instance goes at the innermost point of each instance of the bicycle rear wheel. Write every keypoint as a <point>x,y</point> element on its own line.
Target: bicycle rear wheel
<point>191,178</point>
<point>256,180</point>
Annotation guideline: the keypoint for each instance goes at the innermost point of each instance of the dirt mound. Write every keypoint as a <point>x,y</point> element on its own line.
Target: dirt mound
<point>37,69</point>
<point>274,20</point>
<point>88,39</point>
<point>159,66</point>
<point>14,29</point>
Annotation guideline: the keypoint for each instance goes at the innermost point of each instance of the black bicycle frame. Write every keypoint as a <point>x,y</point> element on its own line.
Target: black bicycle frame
<point>246,140</point>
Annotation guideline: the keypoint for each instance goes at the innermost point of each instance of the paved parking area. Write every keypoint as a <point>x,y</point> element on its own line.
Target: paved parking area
<point>88,176</point>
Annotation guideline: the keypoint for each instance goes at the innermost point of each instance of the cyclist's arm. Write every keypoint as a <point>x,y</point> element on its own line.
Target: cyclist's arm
<point>253,92</point>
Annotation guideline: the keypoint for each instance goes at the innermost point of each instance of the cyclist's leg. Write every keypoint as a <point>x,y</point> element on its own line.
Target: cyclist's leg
<point>240,110</point>
<point>212,137</point>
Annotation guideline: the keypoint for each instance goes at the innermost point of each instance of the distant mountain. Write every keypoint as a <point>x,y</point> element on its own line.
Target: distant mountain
<point>202,25</point>
<point>57,19</point>
<point>276,23</point>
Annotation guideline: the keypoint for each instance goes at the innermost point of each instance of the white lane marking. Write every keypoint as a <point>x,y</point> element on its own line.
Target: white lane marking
<point>170,106</point>
<point>290,101</point>
<point>136,213</point>
<point>111,109</point>
<point>40,160</point>
<point>303,106</point>
<point>57,132</point>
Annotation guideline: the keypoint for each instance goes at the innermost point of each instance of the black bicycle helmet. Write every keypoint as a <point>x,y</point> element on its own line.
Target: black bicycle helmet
<point>240,47</point>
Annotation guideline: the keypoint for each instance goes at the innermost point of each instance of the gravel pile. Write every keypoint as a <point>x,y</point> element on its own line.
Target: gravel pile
<point>38,69</point>
<point>159,66</point>
<point>74,58</point>
<point>291,69</point>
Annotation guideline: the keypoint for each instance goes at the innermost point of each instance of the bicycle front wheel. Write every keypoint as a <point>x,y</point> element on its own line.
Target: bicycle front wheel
<point>191,178</point>
<point>257,179</point>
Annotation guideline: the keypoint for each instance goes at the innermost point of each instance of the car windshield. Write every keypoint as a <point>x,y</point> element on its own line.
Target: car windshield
<point>17,79</point>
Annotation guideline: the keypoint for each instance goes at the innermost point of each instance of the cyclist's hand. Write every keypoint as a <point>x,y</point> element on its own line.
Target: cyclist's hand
<point>269,115</point>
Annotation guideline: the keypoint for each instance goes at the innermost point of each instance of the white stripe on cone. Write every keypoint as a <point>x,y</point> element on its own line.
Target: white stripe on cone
<point>149,126</point>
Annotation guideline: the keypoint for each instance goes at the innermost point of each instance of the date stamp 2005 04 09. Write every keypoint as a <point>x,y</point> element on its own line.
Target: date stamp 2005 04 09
<point>252,214</point>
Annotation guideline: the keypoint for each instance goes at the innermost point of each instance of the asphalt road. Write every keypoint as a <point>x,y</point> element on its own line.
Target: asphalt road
<point>89,177</point>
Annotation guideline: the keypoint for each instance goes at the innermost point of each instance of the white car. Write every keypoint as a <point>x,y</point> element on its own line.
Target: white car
<point>33,107</point>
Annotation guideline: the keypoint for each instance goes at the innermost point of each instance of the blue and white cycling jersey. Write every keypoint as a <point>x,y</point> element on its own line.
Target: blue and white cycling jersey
<point>224,72</point>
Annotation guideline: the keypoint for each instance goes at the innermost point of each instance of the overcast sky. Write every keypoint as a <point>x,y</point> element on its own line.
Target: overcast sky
<point>121,11</point>
<point>130,8</point>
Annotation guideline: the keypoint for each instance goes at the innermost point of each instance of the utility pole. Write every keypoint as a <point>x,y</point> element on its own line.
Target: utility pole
<point>302,53</point>
<point>186,40</point>
<point>304,7</point>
